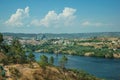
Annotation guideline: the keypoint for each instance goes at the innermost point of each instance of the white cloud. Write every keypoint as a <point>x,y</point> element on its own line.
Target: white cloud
<point>86,23</point>
<point>66,18</point>
<point>52,19</point>
<point>97,24</point>
<point>17,18</point>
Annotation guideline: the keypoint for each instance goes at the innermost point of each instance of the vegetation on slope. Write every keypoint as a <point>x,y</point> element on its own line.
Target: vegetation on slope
<point>24,72</point>
<point>16,65</point>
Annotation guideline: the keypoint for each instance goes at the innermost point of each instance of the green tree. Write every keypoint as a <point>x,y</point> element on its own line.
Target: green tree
<point>1,38</point>
<point>31,57</point>
<point>16,53</point>
<point>63,61</point>
<point>2,72</point>
<point>51,61</point>
<point>43,61</point>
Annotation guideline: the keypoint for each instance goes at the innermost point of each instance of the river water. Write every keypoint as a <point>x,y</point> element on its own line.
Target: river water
<point>100,67</point>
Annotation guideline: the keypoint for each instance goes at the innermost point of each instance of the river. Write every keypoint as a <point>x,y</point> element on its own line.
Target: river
<point>100,67</point>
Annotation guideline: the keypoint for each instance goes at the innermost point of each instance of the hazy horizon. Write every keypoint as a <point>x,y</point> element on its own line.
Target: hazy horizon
<point>59,33</point>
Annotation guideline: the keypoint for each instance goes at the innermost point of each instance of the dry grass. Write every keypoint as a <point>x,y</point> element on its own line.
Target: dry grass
<point>24,72</point>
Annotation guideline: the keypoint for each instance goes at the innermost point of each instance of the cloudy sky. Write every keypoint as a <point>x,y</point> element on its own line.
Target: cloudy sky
<point>59,16</point>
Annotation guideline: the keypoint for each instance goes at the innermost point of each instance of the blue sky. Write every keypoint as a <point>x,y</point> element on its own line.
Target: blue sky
<point>59,16</point>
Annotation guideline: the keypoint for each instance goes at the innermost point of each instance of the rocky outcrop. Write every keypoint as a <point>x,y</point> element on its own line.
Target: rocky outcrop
<point>89,54</point>
<point>116,55</point>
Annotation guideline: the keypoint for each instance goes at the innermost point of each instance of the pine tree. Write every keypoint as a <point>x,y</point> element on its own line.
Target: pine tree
<point>51,61</point>
<point>63,61</point>
<point>43,61</point>
<point>31,57</point>
<point>1,38</point>
<point>16,53</point>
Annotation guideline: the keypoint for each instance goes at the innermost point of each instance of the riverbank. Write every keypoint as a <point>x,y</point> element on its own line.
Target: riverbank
<point>88,54</point>
<point>104,47</point>
<point>100,67</point>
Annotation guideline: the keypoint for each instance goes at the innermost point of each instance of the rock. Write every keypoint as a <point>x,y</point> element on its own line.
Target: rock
<point>116,55</point>
<point>89,54</point>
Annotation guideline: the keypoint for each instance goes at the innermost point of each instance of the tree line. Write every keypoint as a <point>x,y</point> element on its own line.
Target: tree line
<point>16,54</point>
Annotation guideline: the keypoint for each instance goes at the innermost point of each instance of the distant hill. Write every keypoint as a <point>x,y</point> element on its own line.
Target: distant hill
<point>19,34</point>
<point>64,35</point>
